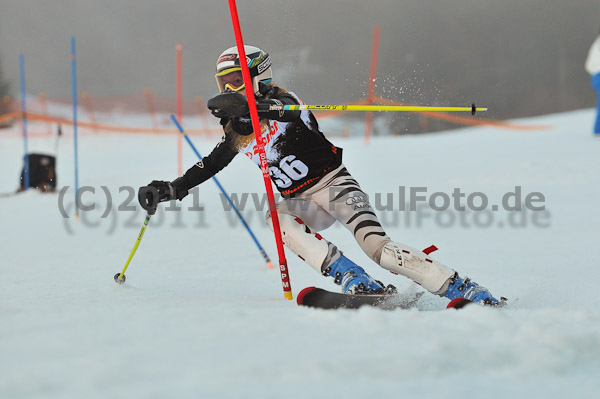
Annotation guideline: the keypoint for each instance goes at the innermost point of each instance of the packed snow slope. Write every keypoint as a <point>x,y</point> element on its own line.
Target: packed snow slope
<point>201,316</point>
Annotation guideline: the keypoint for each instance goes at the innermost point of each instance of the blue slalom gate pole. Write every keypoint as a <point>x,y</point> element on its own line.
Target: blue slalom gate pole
<point>74,95</point>
<point>24,120</point>
<point>260,248</point>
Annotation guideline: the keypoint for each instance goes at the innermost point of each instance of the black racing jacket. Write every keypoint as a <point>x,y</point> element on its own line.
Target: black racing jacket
<point>298,154</point>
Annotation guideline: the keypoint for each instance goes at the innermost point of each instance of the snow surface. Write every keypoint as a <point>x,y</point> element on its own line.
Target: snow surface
<point>201,316</point>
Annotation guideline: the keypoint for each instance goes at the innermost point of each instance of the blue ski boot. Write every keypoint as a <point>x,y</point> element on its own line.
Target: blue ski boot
<point>470,290</point>
<point>353,278</point>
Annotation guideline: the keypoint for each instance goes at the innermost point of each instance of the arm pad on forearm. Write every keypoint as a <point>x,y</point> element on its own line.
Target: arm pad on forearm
<point>206,168</point>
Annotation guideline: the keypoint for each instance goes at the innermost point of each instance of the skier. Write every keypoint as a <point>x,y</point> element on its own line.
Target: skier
<point>316,188</point>
<point>592,66</point>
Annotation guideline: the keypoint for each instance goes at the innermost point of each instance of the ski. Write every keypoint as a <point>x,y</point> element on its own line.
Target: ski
<point>323,299</point>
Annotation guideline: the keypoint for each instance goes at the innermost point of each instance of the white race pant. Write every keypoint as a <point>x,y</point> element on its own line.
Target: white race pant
<point>338,197</point>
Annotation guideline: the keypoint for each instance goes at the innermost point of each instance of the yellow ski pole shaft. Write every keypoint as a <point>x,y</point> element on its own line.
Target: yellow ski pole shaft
<point>120,277</point>
<point>402,108</point>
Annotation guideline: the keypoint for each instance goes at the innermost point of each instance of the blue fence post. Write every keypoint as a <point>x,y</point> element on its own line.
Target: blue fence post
<point>24,120</point>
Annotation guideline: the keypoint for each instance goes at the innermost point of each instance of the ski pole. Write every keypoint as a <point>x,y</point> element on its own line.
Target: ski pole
<point>120,277</point>
<point>260,248</point>
<point>404,108</point>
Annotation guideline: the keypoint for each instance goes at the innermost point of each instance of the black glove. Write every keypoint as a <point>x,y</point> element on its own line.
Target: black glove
<point>160,191</point>
<point>228,104</point>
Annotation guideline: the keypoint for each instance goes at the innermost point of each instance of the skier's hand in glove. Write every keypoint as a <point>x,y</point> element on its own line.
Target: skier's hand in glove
<point>228,104</point>
<point>160,191</point>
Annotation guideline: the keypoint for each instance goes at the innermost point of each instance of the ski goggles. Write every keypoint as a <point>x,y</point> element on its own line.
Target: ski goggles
<point>230,79</point>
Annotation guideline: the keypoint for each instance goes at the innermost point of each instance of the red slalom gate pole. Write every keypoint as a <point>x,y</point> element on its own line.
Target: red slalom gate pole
<point>283,268</point>
<point>44,103</point>
<point>372,77</point>
<point>151,108</point>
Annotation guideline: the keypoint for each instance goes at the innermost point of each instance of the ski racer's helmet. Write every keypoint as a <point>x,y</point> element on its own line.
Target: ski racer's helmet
<point>229,71</point>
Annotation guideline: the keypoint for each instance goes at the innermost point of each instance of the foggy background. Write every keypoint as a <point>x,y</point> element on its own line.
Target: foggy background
<point>517,57</point>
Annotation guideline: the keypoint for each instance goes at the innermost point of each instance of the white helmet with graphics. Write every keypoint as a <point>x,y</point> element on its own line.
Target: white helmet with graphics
<point>229,71</point>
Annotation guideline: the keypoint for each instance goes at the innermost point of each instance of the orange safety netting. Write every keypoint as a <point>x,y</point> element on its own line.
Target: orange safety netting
<point>104,113</point>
